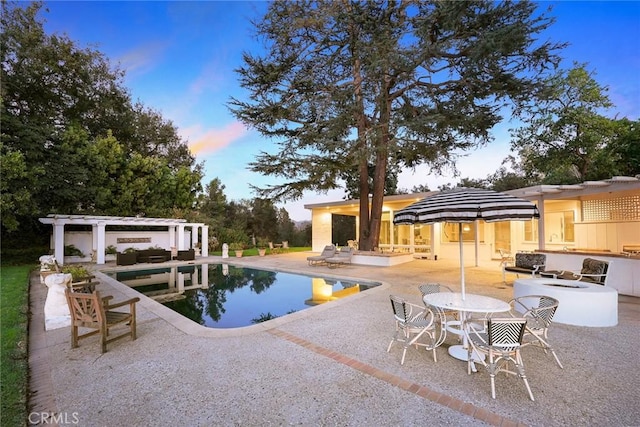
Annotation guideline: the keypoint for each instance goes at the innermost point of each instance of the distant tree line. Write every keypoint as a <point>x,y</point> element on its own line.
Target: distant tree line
<point>74,142</point>
<point>353,100</point>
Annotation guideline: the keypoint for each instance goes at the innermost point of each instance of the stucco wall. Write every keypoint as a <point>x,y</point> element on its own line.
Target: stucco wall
<point>83,240</point>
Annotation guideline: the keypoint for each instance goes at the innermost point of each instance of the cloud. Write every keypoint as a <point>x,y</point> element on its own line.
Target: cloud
<point>141,58</point>
<point>216,139</point>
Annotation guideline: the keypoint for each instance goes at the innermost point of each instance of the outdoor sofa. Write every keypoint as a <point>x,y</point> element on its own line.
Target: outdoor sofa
<point>188,255</point>
<point>143,255</point>
<point>525,263</point>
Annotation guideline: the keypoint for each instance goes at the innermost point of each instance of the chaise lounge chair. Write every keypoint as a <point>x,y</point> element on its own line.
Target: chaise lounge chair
<point>343,256</point>
<point>328,252</point>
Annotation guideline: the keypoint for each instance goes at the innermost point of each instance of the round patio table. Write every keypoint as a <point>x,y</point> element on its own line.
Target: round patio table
<point>472,303</point>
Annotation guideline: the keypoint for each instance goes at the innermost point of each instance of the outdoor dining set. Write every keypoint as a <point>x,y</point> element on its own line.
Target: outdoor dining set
<point>490,331</point>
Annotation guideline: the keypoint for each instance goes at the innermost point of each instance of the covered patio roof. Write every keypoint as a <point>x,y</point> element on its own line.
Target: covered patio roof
<point>98,224</point>
<point>576,191</point>
<point>615,184</point>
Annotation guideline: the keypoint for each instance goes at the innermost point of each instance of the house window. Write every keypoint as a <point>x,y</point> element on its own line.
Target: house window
<point>559,227</point>
<point>450,232</point>
<point>531,230</point>
<point>422,234</point>
<point>401,234</point>
<point>385,232</point>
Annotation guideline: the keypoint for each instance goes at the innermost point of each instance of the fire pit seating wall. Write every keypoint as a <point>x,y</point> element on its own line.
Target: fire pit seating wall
<point>526,263</point>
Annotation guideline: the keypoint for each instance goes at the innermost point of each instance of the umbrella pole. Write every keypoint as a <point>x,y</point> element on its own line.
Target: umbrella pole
<point>462,285</point>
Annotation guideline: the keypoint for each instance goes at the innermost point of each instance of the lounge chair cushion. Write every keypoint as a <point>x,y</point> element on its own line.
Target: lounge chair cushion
<point>327,252</point>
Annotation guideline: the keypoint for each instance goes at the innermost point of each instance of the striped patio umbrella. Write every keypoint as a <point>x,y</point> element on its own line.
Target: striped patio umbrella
<point>464,205</point>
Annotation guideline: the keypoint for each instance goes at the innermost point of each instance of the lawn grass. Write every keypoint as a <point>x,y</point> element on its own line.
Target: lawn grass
<point>14,309</point>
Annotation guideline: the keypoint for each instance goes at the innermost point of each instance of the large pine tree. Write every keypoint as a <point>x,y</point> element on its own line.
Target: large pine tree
<point>343,85</point>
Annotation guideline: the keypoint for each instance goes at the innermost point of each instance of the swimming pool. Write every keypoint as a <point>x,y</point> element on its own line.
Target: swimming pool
<point>225,296</point>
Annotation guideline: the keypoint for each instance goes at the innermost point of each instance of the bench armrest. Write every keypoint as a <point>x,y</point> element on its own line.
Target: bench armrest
<point>122,303</point>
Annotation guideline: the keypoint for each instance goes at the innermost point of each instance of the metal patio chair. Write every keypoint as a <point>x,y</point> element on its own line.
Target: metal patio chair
<point>434,288</point>
<point>501,343</point>
<point>539,311</point>
<point>412,322</point>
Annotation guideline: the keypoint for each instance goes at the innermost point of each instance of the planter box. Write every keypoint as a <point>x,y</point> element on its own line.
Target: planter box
<point>129,258</point>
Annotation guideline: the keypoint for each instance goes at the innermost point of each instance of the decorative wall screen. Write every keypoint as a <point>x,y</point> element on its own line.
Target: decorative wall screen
<point>617,209</point>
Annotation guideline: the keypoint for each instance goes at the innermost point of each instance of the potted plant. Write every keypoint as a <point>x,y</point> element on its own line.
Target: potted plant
<point>78,273</point>
<point>237,247</point>
<point>262,244</point>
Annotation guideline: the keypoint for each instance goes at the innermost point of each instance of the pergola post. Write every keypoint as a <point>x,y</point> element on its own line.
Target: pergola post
<point>180,237</point>
<point>58,242</point>
<point>101,242</point>
<point>172,237</point>
<point>205,240</point>
<point>194,235</point>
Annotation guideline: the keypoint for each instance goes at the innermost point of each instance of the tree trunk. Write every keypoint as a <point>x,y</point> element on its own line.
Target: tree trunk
<point>364,239</point>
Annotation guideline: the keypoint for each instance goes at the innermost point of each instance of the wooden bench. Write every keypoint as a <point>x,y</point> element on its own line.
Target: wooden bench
<point>525,263</point>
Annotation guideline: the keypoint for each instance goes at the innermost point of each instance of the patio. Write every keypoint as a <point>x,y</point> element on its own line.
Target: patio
<point>328,365</point>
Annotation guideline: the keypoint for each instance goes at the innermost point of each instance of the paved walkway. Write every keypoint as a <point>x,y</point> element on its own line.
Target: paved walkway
<point>327,365</point>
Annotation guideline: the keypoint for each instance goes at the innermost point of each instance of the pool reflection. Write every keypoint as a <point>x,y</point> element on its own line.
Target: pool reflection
<point>224,296</point>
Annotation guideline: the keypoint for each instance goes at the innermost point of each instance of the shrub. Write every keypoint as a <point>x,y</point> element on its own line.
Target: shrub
<point>71,250</point>
<point>78,272</point>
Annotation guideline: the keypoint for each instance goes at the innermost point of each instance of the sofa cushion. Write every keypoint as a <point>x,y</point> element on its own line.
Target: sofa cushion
<point>596,267</point>
<point>145,254</point>
<point>530,261</point>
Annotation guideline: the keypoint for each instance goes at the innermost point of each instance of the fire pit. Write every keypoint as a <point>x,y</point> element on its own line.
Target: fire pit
<point>581,304</point>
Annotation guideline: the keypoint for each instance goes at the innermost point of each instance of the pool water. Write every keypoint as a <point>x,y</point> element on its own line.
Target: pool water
<point>225,296</point>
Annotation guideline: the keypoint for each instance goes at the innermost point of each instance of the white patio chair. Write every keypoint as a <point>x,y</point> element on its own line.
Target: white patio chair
<point>539,311</point>
<point>412,323</point>
<point>506,258</point>
<point>501,343</point>
<point>434,288</point>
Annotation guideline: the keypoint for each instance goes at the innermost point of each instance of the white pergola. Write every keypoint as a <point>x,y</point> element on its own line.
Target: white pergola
<point>175,228</point>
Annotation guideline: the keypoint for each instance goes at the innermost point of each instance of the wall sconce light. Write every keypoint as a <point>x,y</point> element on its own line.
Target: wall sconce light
<point>466,228</point>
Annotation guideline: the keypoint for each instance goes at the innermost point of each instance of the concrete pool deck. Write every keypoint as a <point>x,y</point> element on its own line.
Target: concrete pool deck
<point>328,365</point>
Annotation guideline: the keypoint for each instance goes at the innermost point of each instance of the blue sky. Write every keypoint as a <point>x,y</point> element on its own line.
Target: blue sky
<point>180,59</point>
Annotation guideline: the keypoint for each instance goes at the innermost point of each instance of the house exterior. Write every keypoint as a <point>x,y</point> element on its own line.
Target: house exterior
<point>594,215</point>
